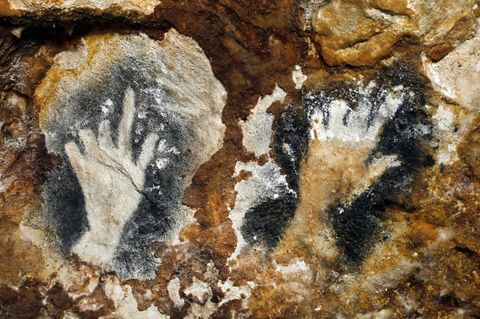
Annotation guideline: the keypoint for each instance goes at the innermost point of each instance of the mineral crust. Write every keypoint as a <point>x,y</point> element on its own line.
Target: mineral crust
<point>239,159</point>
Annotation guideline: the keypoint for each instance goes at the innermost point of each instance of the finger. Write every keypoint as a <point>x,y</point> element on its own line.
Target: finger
<point>392,103</point>
<point>105,136</point>
<point>338,109</point>
<point>361,115</point>
<point>318,126</point>
<point>88,139</point>
<point>148,150</point>
<point>73,153</point>
<point>387,109</point>
<point>125,126</point>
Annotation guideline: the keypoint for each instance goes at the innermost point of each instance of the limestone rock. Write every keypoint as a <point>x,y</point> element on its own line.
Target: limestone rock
<point>360,33</point>
<point>239,159</point>
<point>25,7</point>
<point>457,75</point>
<point>167,97</point>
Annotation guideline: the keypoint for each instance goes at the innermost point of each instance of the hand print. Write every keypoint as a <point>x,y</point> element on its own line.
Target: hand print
<point>337,119</point>
<point>111,181</point>
<point>346,135</point>
<point>367,141</point>
<point>339,165</point>
<point>114,196</point>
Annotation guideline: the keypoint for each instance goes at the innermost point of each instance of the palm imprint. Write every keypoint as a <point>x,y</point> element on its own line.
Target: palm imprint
<point>339,165</point>
<point>344,137</point>
<point>112,182</point>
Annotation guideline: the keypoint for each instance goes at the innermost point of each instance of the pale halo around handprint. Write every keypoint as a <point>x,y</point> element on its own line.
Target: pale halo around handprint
<point>131,131</point>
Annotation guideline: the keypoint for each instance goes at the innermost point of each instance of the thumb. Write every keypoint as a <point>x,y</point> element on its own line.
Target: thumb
<point>148,149</point>
<point>375,170</point>
<point>74,155</point>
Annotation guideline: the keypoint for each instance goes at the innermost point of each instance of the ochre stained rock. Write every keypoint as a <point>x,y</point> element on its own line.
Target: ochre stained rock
<point>239,159</point>
<point>363,32</point>
<point>26,7</point>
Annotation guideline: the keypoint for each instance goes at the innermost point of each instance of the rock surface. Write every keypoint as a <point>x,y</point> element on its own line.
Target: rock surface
<point>27,7</point>
<point>137,165</point>
<point>239,159</point>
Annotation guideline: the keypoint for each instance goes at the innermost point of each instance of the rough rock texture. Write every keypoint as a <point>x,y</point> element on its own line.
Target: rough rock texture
<point>362,32</point>
<point>170,97</point>
<point>27,7</point>
<point>240,159</point>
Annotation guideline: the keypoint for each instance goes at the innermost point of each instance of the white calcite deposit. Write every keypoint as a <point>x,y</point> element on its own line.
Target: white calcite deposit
<point>257,129</point>
<point>457,76</point>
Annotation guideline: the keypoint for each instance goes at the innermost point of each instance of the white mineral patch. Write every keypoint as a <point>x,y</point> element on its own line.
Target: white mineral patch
<point>173,289</point>
<point>234,293</point>
<point>352,125</point>
<point>456,76</point>
<point>444,118</point>
<point>107,106</point>
<point>126,306</point>
<point>449,131</point>
<point>298,77</point>
<point>186,217</point>
<point>257,130</point>
<point>70,315</point>
<point>382,314</point>
<point>161,163</point>
<point>140,6</point>
<point>201,311</point>
<point>266,182</point>
<point>203,307</point>
<point>5,182</point>
<point>198,289</point>
<point>294,267</point>
<point>382,15</point>
<point>445,234</point>
<point>310,8</point>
